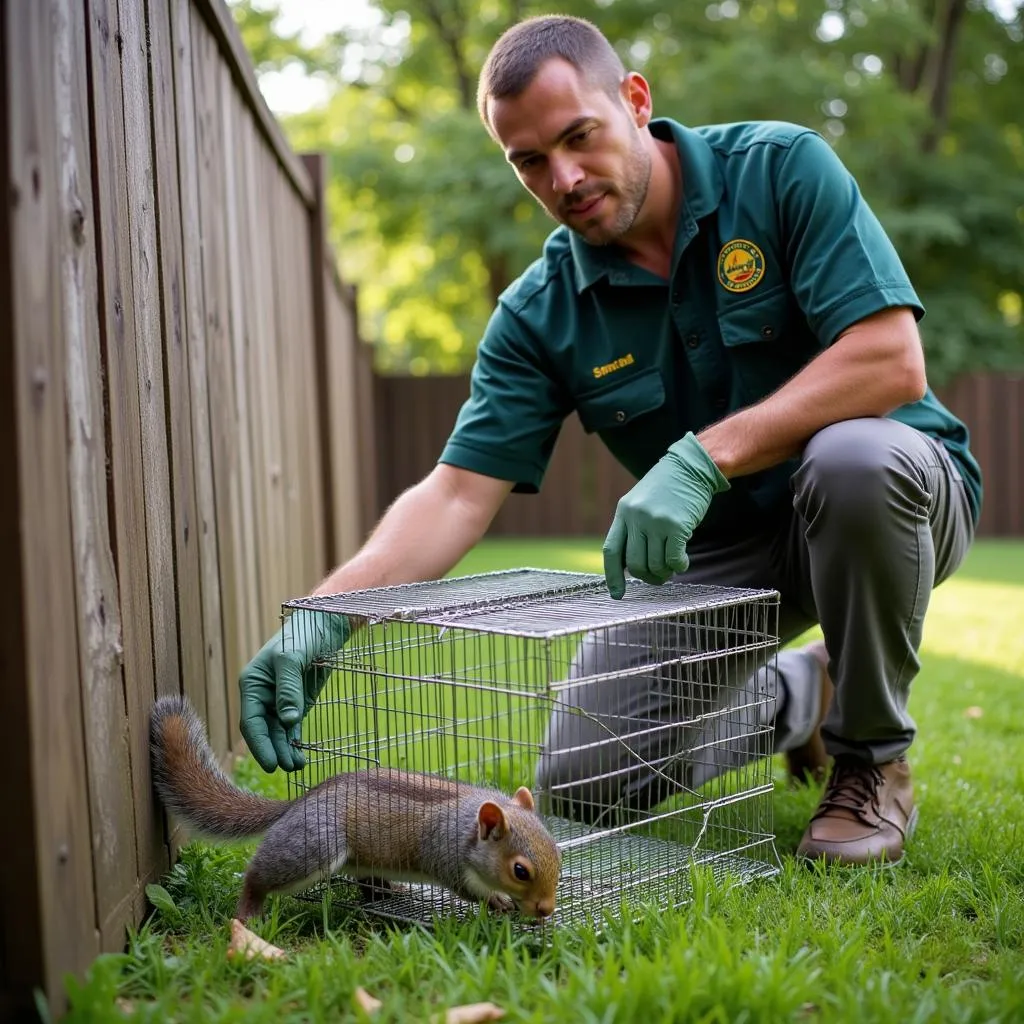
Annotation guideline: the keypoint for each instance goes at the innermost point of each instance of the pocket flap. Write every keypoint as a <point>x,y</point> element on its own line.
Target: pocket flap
<point>620,403</point>
<point>758,321</point>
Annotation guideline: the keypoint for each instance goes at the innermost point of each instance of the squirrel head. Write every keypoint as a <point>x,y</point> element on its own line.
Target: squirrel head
<point>523,860</point>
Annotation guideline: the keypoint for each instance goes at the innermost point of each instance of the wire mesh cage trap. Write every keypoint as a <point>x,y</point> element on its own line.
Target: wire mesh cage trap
<point>642,729</point>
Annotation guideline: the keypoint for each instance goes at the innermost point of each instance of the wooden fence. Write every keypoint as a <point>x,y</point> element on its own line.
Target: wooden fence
<point>414,416</point>
<point>171,327</point>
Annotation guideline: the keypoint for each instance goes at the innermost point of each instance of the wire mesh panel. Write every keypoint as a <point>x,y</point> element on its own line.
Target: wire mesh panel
<point>641,729</point>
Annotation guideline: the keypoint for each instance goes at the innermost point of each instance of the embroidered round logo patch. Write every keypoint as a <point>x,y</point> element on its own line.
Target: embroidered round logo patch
<point>740,265</point>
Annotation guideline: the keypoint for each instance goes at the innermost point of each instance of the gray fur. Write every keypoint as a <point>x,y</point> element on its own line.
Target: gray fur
<point>379,824</point>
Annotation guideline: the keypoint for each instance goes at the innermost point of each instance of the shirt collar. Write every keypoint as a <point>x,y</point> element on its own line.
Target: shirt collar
<point>702,192</point>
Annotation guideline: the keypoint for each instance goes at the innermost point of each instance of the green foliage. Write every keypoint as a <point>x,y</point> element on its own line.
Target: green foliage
<point>919,97</point>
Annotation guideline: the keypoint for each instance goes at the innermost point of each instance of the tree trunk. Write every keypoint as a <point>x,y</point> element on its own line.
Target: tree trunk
<point>939,74</point>
<point>498,277</point>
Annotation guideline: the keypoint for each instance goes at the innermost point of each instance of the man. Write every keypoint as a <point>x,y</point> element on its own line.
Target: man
<point>723,309</point>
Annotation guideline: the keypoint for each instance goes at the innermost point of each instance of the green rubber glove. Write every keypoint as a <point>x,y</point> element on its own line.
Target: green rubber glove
<point>281,684</point>
<point>654,521</point>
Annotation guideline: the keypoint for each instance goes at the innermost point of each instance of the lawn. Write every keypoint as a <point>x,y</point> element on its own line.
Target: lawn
<point>940,938</point>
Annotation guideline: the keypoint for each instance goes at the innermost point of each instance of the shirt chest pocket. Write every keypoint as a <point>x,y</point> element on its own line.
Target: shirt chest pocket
<point>751,323</point>
<point>621,402</point>
<point>766,342</point>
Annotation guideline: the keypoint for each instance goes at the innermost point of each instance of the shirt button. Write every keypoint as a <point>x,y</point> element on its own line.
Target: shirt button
<point>720,403</point>
<point>620,416</point>
<point>767,331</point>
<point>692,340</point>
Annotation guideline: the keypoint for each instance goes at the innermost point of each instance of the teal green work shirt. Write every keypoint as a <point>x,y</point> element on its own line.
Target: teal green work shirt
<point>776,254</point>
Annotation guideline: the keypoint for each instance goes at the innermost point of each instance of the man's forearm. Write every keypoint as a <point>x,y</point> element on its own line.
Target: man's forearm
<point>422,535</point>
<point>872,370</point>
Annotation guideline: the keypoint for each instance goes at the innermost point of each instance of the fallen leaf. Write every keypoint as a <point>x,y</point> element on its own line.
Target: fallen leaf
<point>471,1013</point>
<point>249,944</point>
<point>973,712</point>
<point>367,1002</point>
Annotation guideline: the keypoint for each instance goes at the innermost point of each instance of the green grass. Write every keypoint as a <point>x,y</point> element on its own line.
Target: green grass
<point>940,938</point>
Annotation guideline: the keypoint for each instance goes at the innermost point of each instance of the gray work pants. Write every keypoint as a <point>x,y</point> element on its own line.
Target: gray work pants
<point>879,518</point>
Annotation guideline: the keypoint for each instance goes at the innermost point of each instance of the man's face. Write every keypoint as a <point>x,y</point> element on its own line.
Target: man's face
<point>578,150</point>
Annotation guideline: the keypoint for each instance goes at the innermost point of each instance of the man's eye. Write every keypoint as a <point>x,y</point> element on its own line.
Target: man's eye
<point>581,136</point>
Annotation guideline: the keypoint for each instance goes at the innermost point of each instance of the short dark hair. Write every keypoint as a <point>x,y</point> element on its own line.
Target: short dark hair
<point>520,51</point>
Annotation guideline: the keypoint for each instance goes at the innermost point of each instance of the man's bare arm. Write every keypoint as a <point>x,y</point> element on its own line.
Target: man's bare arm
<point>874,367</point>
<point>425,532</point>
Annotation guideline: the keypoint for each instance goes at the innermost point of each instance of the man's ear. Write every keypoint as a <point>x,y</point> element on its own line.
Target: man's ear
<point>636,94</point>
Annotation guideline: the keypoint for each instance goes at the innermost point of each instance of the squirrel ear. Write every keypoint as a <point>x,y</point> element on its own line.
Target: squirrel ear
<point>524,798</point>
<point>491,819</point>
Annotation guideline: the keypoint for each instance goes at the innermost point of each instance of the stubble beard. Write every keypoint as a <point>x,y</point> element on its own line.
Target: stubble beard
<point>631,195</point>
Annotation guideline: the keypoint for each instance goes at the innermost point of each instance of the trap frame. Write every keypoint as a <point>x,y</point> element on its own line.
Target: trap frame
<point>643,726</point>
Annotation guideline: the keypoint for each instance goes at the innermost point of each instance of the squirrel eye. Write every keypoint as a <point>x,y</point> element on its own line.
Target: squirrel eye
<point>521,871</point>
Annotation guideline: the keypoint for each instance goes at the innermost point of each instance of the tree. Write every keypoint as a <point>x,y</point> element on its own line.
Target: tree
<point>919,97</point>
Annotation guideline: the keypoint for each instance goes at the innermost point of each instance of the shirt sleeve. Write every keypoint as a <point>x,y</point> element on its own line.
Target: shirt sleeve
<point>508,426</point>
<point>843,265</point>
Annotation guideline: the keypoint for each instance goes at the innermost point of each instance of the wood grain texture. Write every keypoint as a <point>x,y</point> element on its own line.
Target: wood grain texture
<point>21,924</point>
<point>306,562</point>
<point>335,361</point>
<point>49,905</point>
<point>176,360</point>
<point>295,392</point>
<point>192,248</point>
<point>114,854</point>
<point>124,428</point>
<point>140,175</point>
<point>235,58</point>
<point>212,190</point>
<point>262,377</point>
<point>241,498</point>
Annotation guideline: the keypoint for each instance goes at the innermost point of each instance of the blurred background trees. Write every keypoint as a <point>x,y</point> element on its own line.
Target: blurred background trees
<point>923,99</point>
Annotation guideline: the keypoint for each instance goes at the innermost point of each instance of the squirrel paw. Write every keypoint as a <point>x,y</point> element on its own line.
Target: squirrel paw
<point>500,902</point>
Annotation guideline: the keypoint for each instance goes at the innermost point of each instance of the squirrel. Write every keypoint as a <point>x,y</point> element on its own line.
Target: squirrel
<point>376,825</point>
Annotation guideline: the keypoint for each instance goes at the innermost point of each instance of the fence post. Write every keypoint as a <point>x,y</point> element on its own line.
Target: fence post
<point>314,163</point>
<point>369,440</point>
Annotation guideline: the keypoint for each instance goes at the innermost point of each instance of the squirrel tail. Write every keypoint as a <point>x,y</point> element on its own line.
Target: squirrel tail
<point>191,784</point>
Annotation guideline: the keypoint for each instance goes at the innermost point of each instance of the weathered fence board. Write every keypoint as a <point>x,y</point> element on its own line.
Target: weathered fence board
<point>263,422</point>
<point>176,361</point>
<point>339,387</point>
<point>305,393</point>
<point>149,347</point>
<point>199,407</point>
<point>47,891</point>
<point>118,334</point>
<point>241,498</point>
<point>115,866</point>
<point>208,74</point>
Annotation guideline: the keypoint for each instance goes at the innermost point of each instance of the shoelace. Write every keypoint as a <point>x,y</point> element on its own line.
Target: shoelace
<point>853,787</point>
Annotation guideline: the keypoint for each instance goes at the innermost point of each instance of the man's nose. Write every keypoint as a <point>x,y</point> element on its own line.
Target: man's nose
<point>566,174</point>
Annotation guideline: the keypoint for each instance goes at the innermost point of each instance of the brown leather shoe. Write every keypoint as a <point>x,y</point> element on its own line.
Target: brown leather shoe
<point>810,761</point>
<point>866,814</point>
